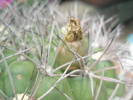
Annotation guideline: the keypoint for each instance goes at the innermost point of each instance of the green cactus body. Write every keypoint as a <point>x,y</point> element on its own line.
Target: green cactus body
<point>81,89</point>
<point>23,74</point>
<point>56,94</point>
<point>108,73</point>
<point>7,53</point>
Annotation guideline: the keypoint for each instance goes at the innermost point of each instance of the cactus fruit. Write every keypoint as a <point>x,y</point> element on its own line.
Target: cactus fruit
<point>75,45</point>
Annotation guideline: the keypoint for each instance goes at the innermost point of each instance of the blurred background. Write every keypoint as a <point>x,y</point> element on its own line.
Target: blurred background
<point>120,9</point>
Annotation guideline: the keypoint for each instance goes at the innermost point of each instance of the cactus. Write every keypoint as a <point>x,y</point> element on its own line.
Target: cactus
<point>34,49</point>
